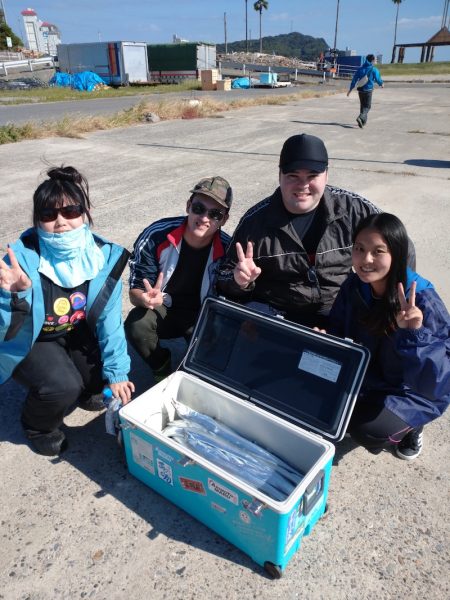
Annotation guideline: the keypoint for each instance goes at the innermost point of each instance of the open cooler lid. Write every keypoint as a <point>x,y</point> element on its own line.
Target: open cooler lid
<point>305,377</point>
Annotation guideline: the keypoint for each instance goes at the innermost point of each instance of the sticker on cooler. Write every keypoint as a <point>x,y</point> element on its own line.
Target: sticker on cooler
<point>164,455</point>
<point>217,507</point>
<point>323,367</point>
<point>192,485</point>
<point>142,453</point>
<point>245,517</point>
<point>223,491</point>
<point>164,471</point>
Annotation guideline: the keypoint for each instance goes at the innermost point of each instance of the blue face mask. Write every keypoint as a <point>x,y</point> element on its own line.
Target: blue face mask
<point>70,258</point>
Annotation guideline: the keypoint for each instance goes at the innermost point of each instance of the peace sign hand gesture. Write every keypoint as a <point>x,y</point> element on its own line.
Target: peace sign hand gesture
<point>153,296</point>
<point>410,315</point>
<point>245,270</point>
<point>13,278</point>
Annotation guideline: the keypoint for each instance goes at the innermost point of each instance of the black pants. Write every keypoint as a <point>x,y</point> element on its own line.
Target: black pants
<point>144,328</point>
<point>374,426</point>
<point>365,104</point>
<point>57,373</point>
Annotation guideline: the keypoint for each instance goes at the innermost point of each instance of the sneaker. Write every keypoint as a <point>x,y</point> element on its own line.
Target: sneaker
<point>360,123</point>
<point>52,443</point>
<point>411,445</point>
<point>93,402</point>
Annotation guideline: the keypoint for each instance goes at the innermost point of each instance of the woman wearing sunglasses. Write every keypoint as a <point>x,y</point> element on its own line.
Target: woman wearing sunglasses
<point>172,269</point>
<point>61,331</point>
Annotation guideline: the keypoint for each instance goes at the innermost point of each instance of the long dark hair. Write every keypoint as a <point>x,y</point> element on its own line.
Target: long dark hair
<point>64,183</point>
<point>381,318</point>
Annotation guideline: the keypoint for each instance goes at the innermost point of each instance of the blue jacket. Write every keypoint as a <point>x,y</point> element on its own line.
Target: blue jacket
<point>22,313</point>
<point>411,366</point>
<point>373,75</point>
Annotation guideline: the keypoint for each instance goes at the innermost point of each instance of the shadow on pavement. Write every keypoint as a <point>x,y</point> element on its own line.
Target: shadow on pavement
<point>423,162</point>
<point>98,457</point>
<point>327,123</point>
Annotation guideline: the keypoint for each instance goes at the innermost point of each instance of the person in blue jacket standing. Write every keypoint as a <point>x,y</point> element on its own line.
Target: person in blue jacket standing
<point>399,316</point>
<point>61,330</point>
<point>365,91</point>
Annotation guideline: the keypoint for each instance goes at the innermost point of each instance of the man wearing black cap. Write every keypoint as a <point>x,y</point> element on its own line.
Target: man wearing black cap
<point>292,251</point>
<point>172,269</point>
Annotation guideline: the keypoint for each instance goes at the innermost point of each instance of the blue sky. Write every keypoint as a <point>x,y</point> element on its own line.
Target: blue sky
<point>364,25</point>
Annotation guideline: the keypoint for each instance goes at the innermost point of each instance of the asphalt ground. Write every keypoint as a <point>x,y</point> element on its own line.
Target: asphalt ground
<point>82,526</point>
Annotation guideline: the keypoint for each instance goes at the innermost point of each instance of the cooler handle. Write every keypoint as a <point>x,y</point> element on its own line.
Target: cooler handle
<point>186,461</point>
<point>313,492</point>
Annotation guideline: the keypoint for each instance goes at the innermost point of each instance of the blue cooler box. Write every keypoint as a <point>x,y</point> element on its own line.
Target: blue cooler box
<point>285,387</point>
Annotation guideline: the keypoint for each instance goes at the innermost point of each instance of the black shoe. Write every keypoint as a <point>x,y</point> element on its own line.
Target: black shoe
<point>92,402</point>
<point>52,443</point>
<point>360,123</point>
<point>411,445</point>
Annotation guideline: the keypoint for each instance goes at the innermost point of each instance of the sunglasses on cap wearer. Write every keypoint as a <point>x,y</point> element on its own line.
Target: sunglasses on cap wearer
<point>213,213</point>
<point>72,211</point>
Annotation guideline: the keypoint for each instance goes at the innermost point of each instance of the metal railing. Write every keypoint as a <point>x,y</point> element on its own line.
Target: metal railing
<point>20,64</point>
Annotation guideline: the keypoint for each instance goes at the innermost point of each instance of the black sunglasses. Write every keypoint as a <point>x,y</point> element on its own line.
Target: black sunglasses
<point>72,211</point>
<point>213,213</point>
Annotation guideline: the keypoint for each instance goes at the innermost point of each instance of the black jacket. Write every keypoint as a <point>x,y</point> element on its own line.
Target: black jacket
<point>288,282</point>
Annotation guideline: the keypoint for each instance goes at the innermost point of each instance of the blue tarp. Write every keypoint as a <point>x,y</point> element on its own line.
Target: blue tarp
<point>85,81</point>
<point>242,83</point>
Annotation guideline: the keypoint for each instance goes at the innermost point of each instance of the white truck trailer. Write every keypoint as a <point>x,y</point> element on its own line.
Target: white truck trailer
<point>117,63</point>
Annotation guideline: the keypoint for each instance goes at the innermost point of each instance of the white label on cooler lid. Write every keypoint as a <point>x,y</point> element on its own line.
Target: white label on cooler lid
<point>320,365</point>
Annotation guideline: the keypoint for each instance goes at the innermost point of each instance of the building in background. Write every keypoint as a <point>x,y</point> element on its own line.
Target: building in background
<point>40,36</point>
<point>52,37</point>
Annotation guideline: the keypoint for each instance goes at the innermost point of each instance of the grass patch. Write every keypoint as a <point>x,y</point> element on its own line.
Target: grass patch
<point>58,94</point>
<point>166,110</point>
<point>434,68</point>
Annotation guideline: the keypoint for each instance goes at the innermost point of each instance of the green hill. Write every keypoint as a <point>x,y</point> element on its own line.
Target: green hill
<point>292,44</point>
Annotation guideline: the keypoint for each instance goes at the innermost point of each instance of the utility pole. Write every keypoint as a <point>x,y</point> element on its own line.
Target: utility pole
<point>2,13</point>
<point>225,31</point>
<point>444,15</point>
<point>246,25</point>
<point>335,34</point>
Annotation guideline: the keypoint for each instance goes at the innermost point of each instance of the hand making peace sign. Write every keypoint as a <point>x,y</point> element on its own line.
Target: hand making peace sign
<point>245,270</point>
<point>153,296</point>
<point>410,315</point>
<point>13,278</point>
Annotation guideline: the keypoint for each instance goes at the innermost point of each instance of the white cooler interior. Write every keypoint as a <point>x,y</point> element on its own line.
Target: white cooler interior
<point>153,411</point>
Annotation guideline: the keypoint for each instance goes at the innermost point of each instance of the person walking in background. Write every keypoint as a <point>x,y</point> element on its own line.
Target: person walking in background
<point>364,79</point>
<point>173,268</point>
<point>400,318</point>
<point>61,330</point>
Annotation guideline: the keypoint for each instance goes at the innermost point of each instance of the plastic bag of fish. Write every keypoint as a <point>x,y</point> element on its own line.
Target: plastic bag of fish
<point>233,453</point>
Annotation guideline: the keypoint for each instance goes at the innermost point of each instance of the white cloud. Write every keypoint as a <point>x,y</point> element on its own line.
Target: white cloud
<point>419,23</point>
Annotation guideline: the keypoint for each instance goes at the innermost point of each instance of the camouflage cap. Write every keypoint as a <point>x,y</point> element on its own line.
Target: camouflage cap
<point>216,188</point>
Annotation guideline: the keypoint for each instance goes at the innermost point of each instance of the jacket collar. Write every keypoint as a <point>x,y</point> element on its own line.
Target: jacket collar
<point>175,238</point>
<point>280,218</point>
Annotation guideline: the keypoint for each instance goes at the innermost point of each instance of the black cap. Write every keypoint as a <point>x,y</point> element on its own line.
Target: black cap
<point>303,152</point>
